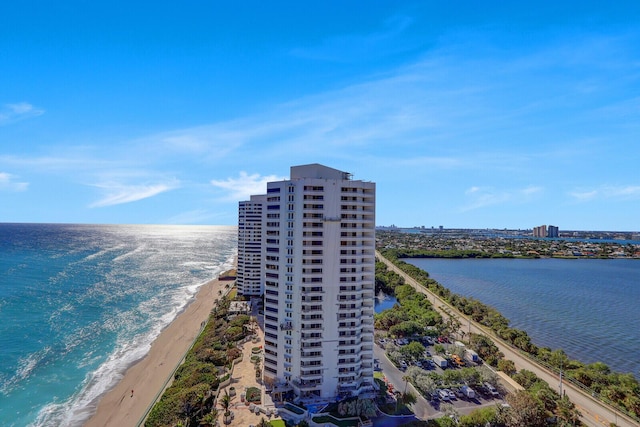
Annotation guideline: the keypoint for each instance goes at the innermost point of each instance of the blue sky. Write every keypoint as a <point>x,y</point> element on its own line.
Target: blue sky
<point>470,114</point>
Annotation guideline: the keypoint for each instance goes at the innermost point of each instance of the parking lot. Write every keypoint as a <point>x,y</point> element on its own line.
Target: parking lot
<point>463,400</point>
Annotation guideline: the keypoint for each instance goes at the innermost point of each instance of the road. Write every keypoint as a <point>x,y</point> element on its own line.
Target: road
<point>594,413</point>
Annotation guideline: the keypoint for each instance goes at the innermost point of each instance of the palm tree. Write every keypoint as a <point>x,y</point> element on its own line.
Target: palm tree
<point>406,379</point>
<point>225,402</point>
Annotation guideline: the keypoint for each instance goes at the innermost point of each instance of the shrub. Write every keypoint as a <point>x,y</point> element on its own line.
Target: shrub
<point>253,395</point>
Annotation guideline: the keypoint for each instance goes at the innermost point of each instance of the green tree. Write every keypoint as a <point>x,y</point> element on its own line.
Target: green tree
<point>507,366</point>
<point>210,418</point>
<point>558,359</point>
<point>414,350</point>
<point>568,412</point>
<point>480,418</point>
<point>426,384</point>
<point>450,412</point>
<point>409,398</point>
<point>524,411</point>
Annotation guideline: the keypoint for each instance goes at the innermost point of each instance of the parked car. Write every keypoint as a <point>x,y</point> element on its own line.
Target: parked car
<point>443,395</point>
<point>491,390</point>
<point>468,392</point>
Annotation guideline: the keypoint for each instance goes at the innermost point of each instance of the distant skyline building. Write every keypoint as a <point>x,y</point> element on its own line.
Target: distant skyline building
<point>250,222</point>
<point>546,231</point>
<point>540,231</point>
<point>319,280</point>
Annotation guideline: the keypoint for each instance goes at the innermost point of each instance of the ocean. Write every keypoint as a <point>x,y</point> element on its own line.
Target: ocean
<point>589,308</point>
<point>79,304</point>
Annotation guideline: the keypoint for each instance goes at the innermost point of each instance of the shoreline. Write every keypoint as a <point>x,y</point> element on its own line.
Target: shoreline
<point>148,376</point>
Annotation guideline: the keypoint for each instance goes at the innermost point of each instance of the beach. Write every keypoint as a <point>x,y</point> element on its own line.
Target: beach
<point>129,400</point>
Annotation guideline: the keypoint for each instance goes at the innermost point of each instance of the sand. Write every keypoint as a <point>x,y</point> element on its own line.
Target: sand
<point>129,400</point>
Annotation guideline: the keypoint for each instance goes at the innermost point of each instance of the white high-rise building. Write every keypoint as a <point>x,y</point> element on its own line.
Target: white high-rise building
<point>250,223</point>
<point>319,277</point>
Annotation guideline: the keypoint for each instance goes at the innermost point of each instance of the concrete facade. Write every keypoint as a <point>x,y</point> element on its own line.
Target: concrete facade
<point>250,223</point>
<point>319,278</point>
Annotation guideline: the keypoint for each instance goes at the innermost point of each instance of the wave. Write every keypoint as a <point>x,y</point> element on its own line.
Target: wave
<point>102,252</point>
<point>82,405</point>
<point>129,254</point>
<point>26,366</point>
<point>94,311</point>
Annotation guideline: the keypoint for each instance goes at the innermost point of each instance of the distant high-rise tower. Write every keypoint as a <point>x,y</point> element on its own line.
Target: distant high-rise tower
<point>319,277</point>
<point>250,224</point>
<point>544,231</point>
<point>540,231</point>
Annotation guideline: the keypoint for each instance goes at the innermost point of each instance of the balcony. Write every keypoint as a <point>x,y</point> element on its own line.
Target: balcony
<point>312,309</point>
<point>313,346</point>
<point>313,336</point>
<point>310,375</point>
<point>349,325</point>
<point>347,388</point>
<point>286,326</point>
<point>348,307</point>
<point>350,363</point>
<point>349,344</point>
<point>312,291</point>
<point>306,385</point>
<point>310,357</point>
<point>349,297</point>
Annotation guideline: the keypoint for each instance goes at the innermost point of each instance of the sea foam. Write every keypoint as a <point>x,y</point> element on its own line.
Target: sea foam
<point>85,303</point>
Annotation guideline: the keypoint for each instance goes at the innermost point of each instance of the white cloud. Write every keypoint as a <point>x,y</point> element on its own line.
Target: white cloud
<point>584,196</point>
<point>607,192</point>
<point>480,197</point>
<point>245,185</point>
<point>8,183</point>
<point>531,190</point>
<point>116,193</point>
<point>629,191</point>
<point>483,197</point>
<point>11,113</point>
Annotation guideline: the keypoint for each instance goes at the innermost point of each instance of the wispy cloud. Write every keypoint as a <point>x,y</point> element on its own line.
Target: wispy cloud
<point>481,197</point>
<point>607,192</point>
<point>117,193</point>
<point>72,161</point>
<point>8,183</point>
<point>11,113</point>
<point>417,108</point>
<point>245,185</point>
